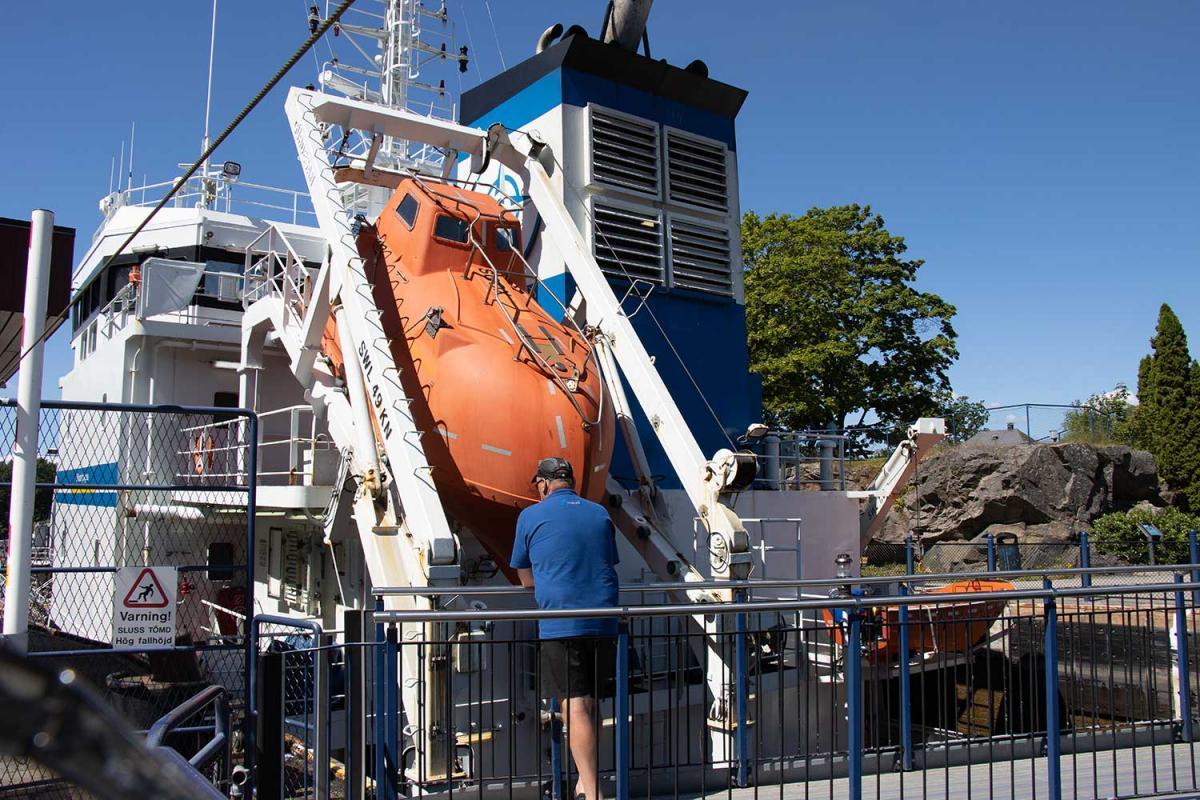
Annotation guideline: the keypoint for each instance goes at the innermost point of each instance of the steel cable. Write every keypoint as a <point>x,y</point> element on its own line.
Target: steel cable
<point>203,159</point>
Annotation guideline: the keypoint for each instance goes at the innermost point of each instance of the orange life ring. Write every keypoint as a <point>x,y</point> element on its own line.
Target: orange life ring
<point>202,453</point>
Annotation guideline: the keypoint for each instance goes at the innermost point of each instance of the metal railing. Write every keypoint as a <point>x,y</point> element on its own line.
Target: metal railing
<point>860,686</point>
<point>294,451</point>
<point>216,751</point>
<point>220,194</point>
<point>226,287</point>
<point>802,459</point>
<point>1003,552</point>
<point>57,728</point>
<point>292,679</point>
<point>273,266</point>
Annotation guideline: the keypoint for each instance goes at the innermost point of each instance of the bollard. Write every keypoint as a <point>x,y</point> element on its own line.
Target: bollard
<point>991,553</point>
<point>909,560</point>
<point>1181,656</point>
<point>621,707</point>
<point>742,668</point>
<point>854,705</point>
<point>906,738</point>
<point>1085,560</point>
<point>1053,724</point>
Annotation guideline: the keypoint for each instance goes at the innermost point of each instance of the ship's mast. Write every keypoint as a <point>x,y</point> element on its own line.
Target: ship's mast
<point>399,54</point>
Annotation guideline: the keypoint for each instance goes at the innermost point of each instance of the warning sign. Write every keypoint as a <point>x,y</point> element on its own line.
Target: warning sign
<point>144,607</point>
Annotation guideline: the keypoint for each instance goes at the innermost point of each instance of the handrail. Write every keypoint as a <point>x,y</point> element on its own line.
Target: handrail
<point>216,747</point>
<point>793,583</point>
<point>274,619</point>
<point>840,602</point>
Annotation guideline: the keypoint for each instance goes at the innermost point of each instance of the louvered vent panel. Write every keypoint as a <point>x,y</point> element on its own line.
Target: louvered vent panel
<point>628,244</point>
<point>700,257</point>
<point>624,153</point>
<point>697,172</point>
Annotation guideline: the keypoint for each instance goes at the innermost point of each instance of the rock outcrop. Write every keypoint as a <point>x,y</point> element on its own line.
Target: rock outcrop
<point>1041,491</point>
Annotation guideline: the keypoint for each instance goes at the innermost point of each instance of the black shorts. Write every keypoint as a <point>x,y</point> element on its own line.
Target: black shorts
<point>577,667</point>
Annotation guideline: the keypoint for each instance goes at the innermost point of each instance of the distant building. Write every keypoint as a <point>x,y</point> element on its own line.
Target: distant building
<point>1008,436</point>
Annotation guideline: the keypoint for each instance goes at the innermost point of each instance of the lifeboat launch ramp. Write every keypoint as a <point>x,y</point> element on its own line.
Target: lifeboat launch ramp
<point>407,537</point>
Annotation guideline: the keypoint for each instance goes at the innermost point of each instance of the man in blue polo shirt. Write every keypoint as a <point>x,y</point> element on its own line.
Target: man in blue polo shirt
<point>566,549</point>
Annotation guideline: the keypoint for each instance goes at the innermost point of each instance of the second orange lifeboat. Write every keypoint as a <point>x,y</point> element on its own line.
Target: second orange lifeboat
<point>945,628</point>
<point>499,382</point>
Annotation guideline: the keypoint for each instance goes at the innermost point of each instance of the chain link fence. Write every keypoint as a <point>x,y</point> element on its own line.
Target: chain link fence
<point>120,489</point>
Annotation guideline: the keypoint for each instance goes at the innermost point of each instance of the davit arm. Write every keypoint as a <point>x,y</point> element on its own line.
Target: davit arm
<point>704,480</point>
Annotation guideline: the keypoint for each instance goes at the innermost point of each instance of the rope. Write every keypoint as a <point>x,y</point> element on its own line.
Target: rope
<point>181,182</point>
<point>471,43</point>
<point>488,5</point>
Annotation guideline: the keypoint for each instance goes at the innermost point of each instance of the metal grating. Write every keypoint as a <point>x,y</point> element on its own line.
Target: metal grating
<point>696,170</point>
<point>700,257</point>
<point>624,153</point>
<point>628,244</point>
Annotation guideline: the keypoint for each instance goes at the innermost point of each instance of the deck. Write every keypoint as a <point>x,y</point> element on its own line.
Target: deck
<point>1150,771</point>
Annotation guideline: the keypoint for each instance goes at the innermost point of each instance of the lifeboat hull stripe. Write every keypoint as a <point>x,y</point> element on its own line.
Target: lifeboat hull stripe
<point>550,387</point>
<point>500,451</point>
<point>447,434</point>
<point>562,435</point>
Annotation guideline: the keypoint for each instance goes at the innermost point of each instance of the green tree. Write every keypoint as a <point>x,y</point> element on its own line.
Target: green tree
<point>964,417</point>
<point>42,498</point>
<point>1119,534</point>
<point>836,329</point>
<point>1102,418</point>
<point>1167,420</point>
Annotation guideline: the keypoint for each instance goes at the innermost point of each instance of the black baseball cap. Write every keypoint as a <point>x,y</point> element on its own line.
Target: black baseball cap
<point>553,468</point>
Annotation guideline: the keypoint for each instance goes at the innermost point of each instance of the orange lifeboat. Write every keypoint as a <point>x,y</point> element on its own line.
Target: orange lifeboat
<point>947,628</point>
<point>499,382</point>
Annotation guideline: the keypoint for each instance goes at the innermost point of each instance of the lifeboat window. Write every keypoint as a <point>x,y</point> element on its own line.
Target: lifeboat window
<point>504,239</point>
<point>407,210</point>
<point>451,228</point>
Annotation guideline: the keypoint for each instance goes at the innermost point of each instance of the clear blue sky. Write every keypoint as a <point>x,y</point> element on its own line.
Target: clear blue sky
<point>1041,157</point>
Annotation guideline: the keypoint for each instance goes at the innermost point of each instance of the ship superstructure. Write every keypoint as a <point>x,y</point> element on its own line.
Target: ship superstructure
<point>616,176</point>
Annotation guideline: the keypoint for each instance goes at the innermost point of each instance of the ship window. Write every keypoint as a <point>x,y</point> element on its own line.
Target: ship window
<point>407,210</point>
<point>220,561</point>
<point>224,400</point>
<point>118,278</point>
<point>222,281</point>
<point>451,228</point>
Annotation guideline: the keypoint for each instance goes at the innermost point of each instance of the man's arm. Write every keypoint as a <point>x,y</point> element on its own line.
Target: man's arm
<point>526,576</point>
<point>520,553</point>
